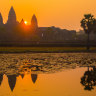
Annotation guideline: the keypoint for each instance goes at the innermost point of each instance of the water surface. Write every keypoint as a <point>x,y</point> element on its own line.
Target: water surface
<point>48,74</point>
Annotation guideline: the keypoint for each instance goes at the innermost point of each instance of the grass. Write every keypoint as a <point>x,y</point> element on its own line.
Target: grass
<point>43,49</point>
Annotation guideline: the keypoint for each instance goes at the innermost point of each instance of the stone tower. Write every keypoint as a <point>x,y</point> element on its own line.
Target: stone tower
<point>34,22</point>
<point>22,22</point>
<point>12,17</point>
<point>1,19</point>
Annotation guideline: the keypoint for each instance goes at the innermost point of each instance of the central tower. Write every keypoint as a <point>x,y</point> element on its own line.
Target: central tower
<point>12,17</point>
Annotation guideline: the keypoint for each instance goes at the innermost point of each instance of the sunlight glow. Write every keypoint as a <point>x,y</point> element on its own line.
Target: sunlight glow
<point>25,22</point>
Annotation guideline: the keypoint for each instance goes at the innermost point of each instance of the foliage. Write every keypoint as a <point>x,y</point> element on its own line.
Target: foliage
<point>88,23</point>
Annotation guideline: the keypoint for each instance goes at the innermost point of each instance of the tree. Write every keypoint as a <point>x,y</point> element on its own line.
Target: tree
<point>94,27</point>
<point>87,25</point>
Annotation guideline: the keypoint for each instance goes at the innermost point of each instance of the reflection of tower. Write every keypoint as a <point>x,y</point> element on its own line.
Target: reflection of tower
<point>11,81</point>
<point>34,22</point>
<point>1,19</point>
<point>12,17</point>
<point>1,78</point>
<point>34,77</point>
<point>22,75</point>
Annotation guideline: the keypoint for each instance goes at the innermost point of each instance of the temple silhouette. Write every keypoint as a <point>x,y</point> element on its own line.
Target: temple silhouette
<point>18,33</point>
<point>14,33</point>
<point>12,19</point>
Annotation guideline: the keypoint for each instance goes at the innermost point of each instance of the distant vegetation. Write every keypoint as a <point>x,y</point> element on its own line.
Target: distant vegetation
<point>88,23</point>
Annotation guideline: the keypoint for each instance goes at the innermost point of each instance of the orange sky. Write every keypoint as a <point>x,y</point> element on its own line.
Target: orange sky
<point>60,13</point>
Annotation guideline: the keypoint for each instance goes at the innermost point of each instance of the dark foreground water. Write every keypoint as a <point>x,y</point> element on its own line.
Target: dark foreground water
<point>45,74</point>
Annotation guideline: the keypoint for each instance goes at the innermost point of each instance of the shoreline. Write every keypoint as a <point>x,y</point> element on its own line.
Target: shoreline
<point>30,52</point>
<point>46,50</point>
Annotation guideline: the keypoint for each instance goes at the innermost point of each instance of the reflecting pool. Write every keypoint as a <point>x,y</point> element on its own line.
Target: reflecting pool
<point>45,74</point>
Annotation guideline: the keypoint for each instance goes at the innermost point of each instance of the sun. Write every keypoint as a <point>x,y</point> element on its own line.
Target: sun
<point>25,22</point>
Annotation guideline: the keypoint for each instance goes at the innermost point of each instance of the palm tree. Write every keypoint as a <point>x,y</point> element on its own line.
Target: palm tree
<point>94,27</point>
<point>87,25</point>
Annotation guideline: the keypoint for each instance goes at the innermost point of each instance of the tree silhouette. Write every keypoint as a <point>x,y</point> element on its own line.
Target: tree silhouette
<point>94,26</point>
<point>87,24</point>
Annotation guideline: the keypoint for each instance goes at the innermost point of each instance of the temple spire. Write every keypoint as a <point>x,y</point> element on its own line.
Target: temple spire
<point>1,19</point>
<point>12,16</point>
<point>34,22</point>
<point>22,22</point>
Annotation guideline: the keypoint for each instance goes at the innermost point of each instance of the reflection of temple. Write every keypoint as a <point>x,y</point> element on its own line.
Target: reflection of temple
<point>22,75</point>
<point>12,81</point>
<point>89,79</point>
<point>34,77</point>
<point>1,78</point>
